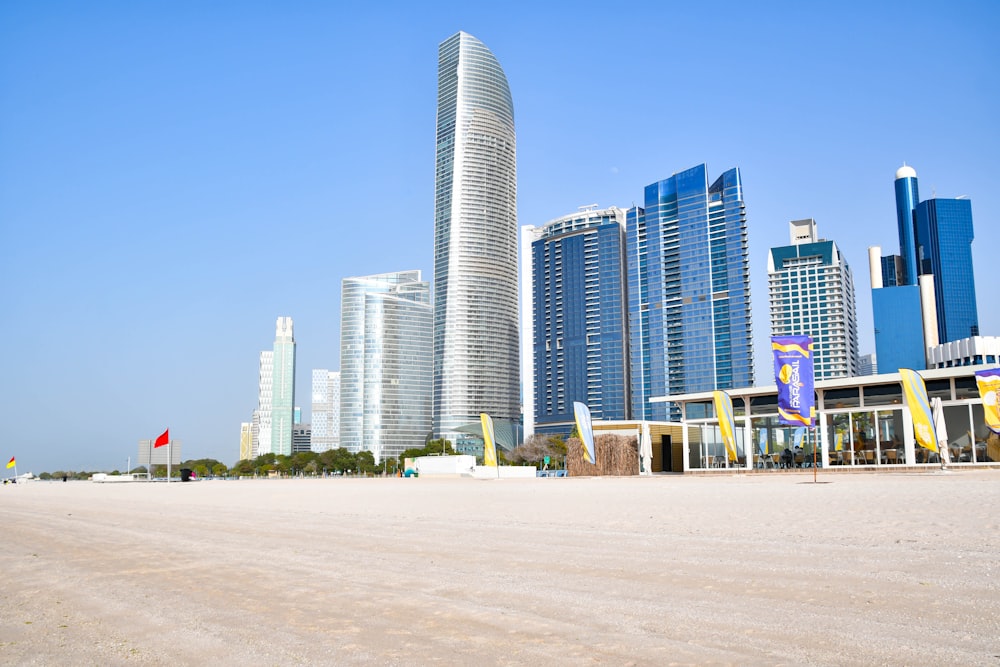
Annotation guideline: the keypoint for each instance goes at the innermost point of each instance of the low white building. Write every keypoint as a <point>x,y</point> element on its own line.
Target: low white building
<point>964,352</point>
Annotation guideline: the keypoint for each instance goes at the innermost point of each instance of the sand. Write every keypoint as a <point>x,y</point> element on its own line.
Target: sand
<point>762,569</point>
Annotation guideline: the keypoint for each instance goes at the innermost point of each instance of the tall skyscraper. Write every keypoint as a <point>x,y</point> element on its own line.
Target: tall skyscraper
<point>283,395</point>
<point>385,363</point>
<point>927,294</point>
<point>944,249</point>
<point>475,241</point>
<point>577,333</point>
<point>261,421</point>
<point>811,288</point>
<point>907,196</point>
<point>688,289</point>
<point>325,410</point>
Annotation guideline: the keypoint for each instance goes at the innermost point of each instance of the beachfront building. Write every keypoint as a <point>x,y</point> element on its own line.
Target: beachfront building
<point>576,336</point>
<point>811,289</point>
<point>688,289</point>
<point>862,422</point>
<point>325,410</point>
<point>385,363</point>
<point>476,366</point>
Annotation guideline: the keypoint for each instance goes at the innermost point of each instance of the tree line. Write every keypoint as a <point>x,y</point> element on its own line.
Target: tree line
<point>340,461</point>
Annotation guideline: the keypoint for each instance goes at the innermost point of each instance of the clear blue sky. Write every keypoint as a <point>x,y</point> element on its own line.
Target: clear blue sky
<point>174,176</point>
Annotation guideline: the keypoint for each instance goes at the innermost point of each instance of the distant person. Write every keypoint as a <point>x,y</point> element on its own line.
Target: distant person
<point>787,457</point>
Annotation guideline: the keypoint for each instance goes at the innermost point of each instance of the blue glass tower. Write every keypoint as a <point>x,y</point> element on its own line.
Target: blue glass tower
<point>944,248</point>
<point>899,334</point>
<point>578,340</point>
<point>906,201</point>
<point>688,289</point>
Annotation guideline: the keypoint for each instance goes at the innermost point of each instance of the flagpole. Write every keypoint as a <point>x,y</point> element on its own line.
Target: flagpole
<point>815,444</point>
<point>168,461</point>
<point>149,461</point>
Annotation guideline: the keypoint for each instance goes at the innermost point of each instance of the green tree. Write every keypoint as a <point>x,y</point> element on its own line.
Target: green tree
<point>537,447</point>
<point>365,462</point>
<point>244,468</point>
<point>219,470</point>
<point>341,460</point>
<point>300,460</point>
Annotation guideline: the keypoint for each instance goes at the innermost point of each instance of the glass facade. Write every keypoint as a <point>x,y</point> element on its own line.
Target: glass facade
<point>283,391</point>
<point>899,335</point>
<point>475,335</point>
<point>261,420</point>
<point>811,289</point>
<point>325,410</point>
<point>579,342</point>
<point>688,289</point>
<point>906,200</point>
<point>865,425</point>
<point>385,363</point>
<point>944,248</point>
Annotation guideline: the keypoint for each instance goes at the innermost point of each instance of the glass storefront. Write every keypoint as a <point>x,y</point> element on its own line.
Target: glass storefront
<point>861,426</point>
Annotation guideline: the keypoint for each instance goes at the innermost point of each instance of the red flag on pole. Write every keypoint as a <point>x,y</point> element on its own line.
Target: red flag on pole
<point>163,439</point>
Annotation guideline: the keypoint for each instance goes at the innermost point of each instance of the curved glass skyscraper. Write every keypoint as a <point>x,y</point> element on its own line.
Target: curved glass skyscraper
<point>475,240</point>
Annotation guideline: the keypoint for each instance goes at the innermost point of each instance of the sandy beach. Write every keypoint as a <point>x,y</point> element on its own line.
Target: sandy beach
<point>767,569</point>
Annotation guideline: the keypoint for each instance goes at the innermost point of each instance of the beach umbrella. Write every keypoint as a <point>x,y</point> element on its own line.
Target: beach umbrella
<point>940,431</point>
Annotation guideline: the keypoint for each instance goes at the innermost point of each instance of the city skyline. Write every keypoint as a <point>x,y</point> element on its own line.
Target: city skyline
<point>151,155</point>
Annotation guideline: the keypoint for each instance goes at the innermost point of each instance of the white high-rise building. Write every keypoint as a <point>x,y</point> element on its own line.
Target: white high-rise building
<point>476,366</point>
<point>385,363</point>
<point>325,410</point>
<point>812,294</point>
<point>261,421</point>
<point>283,399</point>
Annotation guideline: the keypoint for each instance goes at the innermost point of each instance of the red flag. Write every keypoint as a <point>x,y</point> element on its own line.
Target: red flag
<point>163,439</point>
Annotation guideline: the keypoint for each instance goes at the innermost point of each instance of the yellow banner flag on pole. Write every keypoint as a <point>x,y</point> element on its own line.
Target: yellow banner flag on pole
<point>724,411</point>
<point>988,382</point>
<point>915,393</point>
<point>489,441</point>
<point>585,429</point>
